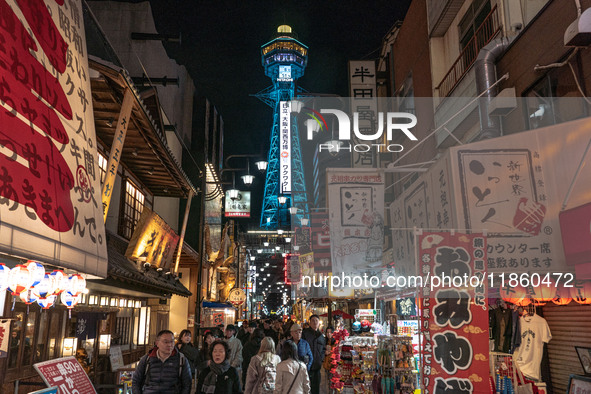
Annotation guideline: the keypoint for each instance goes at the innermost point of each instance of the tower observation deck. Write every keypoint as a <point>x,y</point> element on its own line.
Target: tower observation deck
<point>284,59</point>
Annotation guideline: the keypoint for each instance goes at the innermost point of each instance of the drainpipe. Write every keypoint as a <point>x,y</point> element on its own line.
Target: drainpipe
<point>486,76</point>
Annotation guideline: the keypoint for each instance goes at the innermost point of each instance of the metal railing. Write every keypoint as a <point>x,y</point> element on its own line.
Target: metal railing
<point>489,28</point>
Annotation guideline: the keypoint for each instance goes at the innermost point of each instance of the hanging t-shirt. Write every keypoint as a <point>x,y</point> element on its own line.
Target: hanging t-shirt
<point>534,333</point>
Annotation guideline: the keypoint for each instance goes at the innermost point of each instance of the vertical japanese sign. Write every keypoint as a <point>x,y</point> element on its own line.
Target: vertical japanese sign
<point>153,240</point>
<point>116,150</point>
<point>356,219</point>
<point>362,89</point>
<point>303,239</point>
<point>285,146</point>
<point>293,273</point>
<point>49,187</point>
<point>427,203</point>
<point>454,316</point>
<point>321,242</point>
<point>65,373</point>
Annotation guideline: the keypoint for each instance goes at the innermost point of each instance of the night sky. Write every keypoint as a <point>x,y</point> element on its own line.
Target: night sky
<point>221,48</point>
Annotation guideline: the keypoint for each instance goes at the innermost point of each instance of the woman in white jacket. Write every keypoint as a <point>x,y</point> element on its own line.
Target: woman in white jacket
<point>292,375</point>
<point>260,377</point>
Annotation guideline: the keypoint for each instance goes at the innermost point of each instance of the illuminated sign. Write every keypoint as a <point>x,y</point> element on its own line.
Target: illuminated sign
<point>285,146</point>
<point>239,206</point>
<point>284,74</point>
<point>153,241</point>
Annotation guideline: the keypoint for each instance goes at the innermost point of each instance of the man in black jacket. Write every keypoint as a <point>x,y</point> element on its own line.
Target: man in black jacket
<point>251,349</point>
<point>317,343</point>
<point>164,370</point>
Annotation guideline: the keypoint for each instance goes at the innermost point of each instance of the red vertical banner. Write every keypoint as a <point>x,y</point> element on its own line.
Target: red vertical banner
<point>454,316</point>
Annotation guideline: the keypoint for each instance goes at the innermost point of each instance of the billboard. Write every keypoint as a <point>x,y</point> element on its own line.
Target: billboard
<point>238,207</point>
<point>50,203</point>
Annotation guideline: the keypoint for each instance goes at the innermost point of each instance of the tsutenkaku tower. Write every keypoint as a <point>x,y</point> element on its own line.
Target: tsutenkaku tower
<point>284,59</point>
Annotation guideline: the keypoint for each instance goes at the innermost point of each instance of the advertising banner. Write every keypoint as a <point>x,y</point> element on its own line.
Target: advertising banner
<point>238,207</point>
<point>362,89</point>
<point>49,182</point>
<point>454,313</point>
<point>65,373</point>
<point>356,219</point>
<point>153,241</point>
<point>285,146</point>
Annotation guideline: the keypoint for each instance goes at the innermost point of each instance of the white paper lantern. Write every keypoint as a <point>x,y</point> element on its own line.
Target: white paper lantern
<point>28,296</point>
<point>59,281</point>
<point>4,275</point>
<point>69,300</point>
<point>37,271</point>
<point>19,280</point>
<point>48,302</point>
<point>45,288</point>
<point>75,285</point>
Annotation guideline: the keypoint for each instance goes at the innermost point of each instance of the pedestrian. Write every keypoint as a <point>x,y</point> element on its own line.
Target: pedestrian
<point>164,370</point>
<point>185,346</point>
<point>251,349</point>
<point>317,343</point>
<point>219,377</point>
<point>292,377</point>
<point>235,348</point>
<point>304,351</point>
<point>203,361</point>
<point>327,365</point>
<point>249,330</point>
<point>269,332</point>
<point>260,377</point>
<point>278,331</point>
<point>242,331</point>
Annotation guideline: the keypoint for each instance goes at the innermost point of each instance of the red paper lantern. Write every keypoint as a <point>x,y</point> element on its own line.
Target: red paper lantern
<point>28,296</point>
<point>4,275</point>
<point>562,296</point>
<point>515,295</point>
<point>48,302</point>
<point>544,293</point>
<point>581,292</point>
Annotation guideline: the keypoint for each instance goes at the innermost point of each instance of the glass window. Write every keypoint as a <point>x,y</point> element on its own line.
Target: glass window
<point>16,337</point>
<point>553,99</point>
<point>133,205</point>
<point>42,338</point>
<point>102,161</point>
<point>54,334</point>
<point>29,338</point>
<point>468,26</point>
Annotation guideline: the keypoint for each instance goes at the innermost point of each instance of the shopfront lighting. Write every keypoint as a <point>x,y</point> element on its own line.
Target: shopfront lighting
<point>261,165</point>
<point>282,199</point>
<point>113,302</point>
<point>138,304</point>
<point>93,300</point>
<point>130,303</point>
<point>69,346</point>
<point>122,303</point>
<point>104,343</point>
<point>104,301</point>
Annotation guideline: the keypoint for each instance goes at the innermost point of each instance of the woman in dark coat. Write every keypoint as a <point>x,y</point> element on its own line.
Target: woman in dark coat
<point>185,346</point>
<point>219,377</point>
<point>251,349</point>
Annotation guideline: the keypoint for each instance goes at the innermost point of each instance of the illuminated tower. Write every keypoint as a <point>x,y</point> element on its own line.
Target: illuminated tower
<point>284,59</point>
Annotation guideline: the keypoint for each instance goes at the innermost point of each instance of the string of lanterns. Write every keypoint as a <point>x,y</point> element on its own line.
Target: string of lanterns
<point>32,284</point>
<point>580,292</point>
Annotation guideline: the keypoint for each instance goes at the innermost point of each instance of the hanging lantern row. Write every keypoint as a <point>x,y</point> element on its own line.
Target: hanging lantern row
<point>580,292</point>
<point>32,284</point>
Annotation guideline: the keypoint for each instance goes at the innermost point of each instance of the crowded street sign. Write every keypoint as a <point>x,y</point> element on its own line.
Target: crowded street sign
<point>237,297</point>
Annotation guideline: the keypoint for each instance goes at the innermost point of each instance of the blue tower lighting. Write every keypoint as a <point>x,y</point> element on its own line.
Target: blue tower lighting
<point>284,59</point>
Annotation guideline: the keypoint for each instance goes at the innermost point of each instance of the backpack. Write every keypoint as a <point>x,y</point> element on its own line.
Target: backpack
<point>267,382</point>
<point>182,360</point>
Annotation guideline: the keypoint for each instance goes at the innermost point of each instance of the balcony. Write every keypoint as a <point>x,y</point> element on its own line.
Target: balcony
<point>489,28</point>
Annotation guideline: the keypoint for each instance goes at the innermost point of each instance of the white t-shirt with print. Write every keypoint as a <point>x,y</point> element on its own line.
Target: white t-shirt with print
<point>534,333</point>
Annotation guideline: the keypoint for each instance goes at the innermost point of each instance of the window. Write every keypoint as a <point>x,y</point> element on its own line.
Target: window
<point>470,42</point>
<point>102,161</point>
<point>133,205</point>
<point>553,99</point>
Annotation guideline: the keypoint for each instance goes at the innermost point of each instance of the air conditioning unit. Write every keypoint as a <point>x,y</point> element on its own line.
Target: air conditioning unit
<point>578,33</point>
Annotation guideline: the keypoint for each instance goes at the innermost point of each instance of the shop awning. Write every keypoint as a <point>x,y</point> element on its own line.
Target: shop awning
<point>121,270</point>
<point>222,305</point>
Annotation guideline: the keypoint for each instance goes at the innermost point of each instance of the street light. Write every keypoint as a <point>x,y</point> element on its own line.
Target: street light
<point>247,179</point>
<point>304,221</point>
<point>261,165</point>
<point>293,210</point>
<point>282,199</point>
